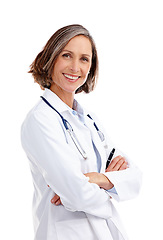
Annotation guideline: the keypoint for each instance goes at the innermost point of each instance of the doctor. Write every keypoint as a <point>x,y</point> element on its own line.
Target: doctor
<point>68,149</point>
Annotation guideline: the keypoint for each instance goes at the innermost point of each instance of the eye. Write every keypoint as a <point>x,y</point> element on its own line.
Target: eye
<point>66,55</point>
<point>85,59</point>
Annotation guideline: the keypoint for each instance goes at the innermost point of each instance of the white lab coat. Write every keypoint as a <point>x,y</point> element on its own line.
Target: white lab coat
<point>87,211</point>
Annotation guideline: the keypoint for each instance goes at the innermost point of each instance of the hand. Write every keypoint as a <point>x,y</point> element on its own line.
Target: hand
<point>117,164</point>
<point>56,200</point>
<point>100,179</point>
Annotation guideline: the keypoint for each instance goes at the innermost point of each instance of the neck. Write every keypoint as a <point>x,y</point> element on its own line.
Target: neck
<point>66,97</point>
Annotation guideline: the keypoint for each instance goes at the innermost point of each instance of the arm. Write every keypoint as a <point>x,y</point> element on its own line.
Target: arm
<point>123,175</point>
<point>61,169</point>
<point>117,164</point>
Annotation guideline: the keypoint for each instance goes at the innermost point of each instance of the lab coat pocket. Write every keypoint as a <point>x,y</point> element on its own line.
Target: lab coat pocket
<point>79,229</point>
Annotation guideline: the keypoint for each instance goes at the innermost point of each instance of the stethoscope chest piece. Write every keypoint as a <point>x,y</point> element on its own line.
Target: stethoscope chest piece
<point>101,135</point>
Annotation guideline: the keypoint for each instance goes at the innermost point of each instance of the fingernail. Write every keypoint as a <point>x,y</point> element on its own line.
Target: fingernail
<point>52,200</point>
<point>57,203</point>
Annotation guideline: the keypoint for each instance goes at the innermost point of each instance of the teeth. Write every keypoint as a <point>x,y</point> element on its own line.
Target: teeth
<point>71,77</point>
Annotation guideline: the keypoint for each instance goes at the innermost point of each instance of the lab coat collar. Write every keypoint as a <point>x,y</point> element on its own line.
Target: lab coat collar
<point>57,103</point>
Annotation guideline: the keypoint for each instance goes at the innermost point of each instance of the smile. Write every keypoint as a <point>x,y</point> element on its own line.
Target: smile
<point>71,77</point>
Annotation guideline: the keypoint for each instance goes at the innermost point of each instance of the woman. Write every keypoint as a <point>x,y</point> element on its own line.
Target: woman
<point>68,149</point>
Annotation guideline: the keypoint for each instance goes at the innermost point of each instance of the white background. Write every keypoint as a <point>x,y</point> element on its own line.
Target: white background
<point>129,39</point>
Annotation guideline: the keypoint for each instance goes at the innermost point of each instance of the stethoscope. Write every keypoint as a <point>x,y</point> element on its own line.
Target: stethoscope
<point>70,130</point>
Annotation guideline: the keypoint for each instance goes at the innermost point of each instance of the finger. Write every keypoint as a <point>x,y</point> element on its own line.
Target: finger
<point>124,166</point>
<point>55,199</point>
<point>113,163</point>
<point>119,164</point>
<point>58,202</point>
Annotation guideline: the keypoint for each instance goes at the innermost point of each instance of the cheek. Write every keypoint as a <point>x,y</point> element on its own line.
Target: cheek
<point>57,71</point>
<point>58,67</point>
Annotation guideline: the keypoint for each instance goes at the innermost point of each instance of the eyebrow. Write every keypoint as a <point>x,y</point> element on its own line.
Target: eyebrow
<point>84,54</point>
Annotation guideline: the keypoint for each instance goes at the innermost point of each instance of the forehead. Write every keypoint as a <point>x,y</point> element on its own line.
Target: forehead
<point>80,44</point>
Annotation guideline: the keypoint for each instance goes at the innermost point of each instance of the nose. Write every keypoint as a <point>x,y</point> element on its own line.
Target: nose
<point>75,66</point>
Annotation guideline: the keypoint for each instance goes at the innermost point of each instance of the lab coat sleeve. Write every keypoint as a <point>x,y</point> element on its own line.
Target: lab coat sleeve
<point>127,183</point>
<point>59,165</point>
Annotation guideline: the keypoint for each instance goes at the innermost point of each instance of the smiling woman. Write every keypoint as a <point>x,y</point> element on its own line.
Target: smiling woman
<point>70,158</point>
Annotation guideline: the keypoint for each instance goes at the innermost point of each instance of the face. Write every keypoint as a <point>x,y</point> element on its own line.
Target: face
<point>72,66</point>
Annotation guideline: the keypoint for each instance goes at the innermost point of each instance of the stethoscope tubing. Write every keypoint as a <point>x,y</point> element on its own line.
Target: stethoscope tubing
<point>71,132</point>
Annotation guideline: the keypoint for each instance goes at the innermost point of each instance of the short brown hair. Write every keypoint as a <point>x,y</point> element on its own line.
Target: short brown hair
<point>42,66</point>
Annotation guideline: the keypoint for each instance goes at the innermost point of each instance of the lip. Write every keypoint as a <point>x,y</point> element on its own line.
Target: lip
<point>71,80</point>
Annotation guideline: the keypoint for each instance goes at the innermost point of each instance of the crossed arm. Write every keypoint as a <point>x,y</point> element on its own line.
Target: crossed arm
<point>117,164</point>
